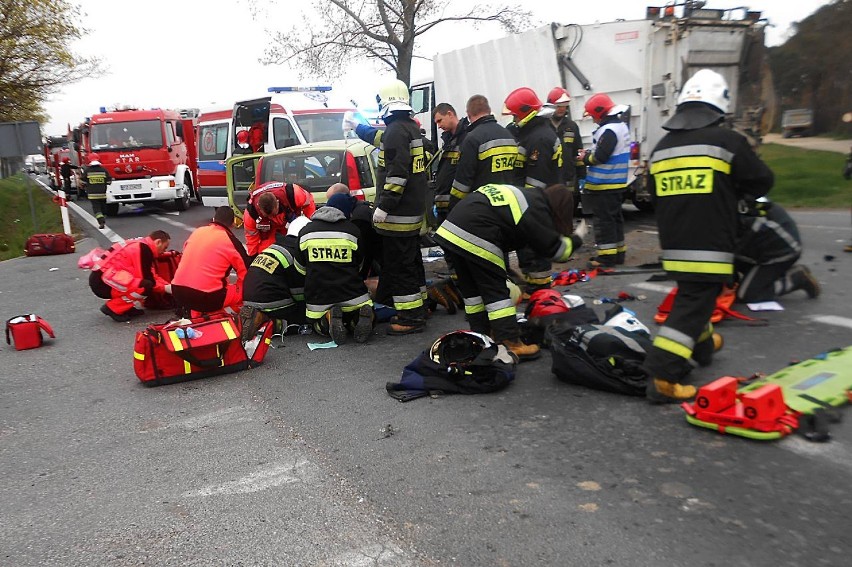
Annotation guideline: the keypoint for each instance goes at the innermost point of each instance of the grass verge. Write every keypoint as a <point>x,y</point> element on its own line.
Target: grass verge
<point>807,178</point>
<point>18,214</point>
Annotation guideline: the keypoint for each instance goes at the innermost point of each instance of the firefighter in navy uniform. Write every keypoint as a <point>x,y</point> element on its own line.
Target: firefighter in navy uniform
<point>336,298</point>
<point>452,136</point>
<point>699,173</point>
<point>66,170</point>
<point>401,187</point>
<point>478,233</point>
<point>488,152</point>
<point>274,287</point>
<point>606,178</point>
<point>568,132</point>
<point>538,166</point>
<point>96,179</point>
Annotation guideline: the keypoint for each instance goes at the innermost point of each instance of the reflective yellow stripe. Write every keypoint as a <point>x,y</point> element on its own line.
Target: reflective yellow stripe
<point>399,227</point>
<point>691,162</point>
<point>591,187</point>
<point>394,188</point>
<point>187,367</point>
<point>500,313</point>
<point>473,309</point>
<point>698,267</point>
<point>498,151</point>
<point>175,341</point>
<point>473,249</point>
<point>408,304</point>
<point>229,330</point>
<point>673,347</point>
<point>457,194</point>
<point>138,355</point>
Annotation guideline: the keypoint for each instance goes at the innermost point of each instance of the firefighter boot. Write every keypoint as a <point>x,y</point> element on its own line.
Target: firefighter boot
<point>337,329</point>
<point>452,292</point>
<point>364,326</point>
<point>436,293</point>
<point>405,328</point>
<point>704,350</point>
<point>659,391</point>
<point>523,351</point>
<point>251,318</point>
<point>800,277</point>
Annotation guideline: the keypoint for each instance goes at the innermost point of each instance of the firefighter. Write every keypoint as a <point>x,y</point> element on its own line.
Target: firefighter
<point>606,178</point>
<point>270,207</point>
<point>275,283</point>
<point>400,208</point>
<point>487,153</point>
<point>699,173</point>
<point>568,132</point>
<point>538,165</point>
<point>478,233</point>
<point>96,179</point>
<point>336,298</point>
<point>452,136</point>
<point>125,275</point>
<point>201,281</point>
<point>767,250</point>
<point>66,170</point>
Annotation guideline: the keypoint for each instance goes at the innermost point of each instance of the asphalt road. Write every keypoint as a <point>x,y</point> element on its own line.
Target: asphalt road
<point>293,463</point>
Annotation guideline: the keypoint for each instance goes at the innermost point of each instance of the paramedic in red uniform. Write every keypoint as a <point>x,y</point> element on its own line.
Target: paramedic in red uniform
<point>209,254</point>
<point>270,208</point>
<point>125,275</point>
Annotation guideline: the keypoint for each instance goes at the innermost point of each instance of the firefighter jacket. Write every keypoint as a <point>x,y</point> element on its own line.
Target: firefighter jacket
<point>96,178</point>
<point>209,255</point>
<point>328,249</point>
<point>127,264</point>
<point>488,155</point>
<point>447,164</point>
<point>495,219</point>
<point>609,158</point>
<point>768,235</point>
<point>66,169</point>
<point>401,181</point>
<point>275,280</point>
<point>539,162</point>
<point>572,142</point>
<point>697,178</point>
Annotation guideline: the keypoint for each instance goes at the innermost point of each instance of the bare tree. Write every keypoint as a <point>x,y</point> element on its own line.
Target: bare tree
<point>35,58</point>
<point>385,31</point>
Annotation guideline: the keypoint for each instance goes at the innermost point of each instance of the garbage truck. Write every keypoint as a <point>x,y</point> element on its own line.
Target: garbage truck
<point>640,63</point>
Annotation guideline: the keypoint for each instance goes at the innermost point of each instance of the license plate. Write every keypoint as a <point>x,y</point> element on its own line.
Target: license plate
<point>131,187</point>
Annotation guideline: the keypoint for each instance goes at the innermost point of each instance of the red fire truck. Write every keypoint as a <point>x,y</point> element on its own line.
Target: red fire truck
<point>150,154</point>
<point>56,149</point>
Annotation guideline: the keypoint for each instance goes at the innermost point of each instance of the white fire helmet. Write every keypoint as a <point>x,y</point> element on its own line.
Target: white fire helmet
<point>393,96</point>
<point>708,87</point>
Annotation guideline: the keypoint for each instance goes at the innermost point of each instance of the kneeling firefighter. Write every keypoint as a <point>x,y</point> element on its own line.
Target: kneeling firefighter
<point>481,230</point>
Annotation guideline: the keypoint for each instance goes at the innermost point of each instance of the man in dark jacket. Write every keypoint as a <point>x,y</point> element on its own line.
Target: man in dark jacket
<point>767,250</point>
<point>336,298</point>
<point>478,233</point>
<point>487,153</point>
<point>96,179</point>
<point>699,172</point>
<point>451,139</point>
<point>568,132</point>
<point>400,209</point>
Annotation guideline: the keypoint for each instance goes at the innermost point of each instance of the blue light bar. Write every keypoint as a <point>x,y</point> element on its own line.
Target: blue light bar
<point>298,89</point>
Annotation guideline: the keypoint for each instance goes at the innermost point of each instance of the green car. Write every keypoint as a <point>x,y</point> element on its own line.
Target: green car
<point>316,167</point>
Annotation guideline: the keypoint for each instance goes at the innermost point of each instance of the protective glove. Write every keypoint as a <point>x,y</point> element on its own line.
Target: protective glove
<point>349,121</point>
<point>582,229</point>
<point>379,216</point>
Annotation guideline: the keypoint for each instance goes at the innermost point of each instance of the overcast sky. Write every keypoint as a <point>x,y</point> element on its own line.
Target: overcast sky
<point>202,53</point>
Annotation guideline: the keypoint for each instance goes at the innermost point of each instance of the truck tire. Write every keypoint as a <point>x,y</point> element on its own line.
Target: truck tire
<point>111,209</point>
<point>182,203</point>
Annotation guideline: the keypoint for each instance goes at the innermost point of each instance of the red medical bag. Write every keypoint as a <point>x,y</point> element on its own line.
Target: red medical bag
<point>25,331</point>
<point>46,244</point>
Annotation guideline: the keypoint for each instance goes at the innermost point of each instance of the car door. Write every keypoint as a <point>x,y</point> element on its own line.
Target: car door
<point>239,178</point>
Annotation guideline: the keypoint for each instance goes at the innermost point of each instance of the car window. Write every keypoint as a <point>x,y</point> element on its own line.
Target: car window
<point>213,141</point>
<point>283,133</point>
<point>321,127</point>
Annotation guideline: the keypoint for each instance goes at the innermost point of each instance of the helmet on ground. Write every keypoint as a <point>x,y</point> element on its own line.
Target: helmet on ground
<point>459,348</point>
<point>546,302</point>
<point>66,160</point>
<point>598,106</point>
<point>558,96</point>
<point>708,87</point>
<point>94,159</point>
<point>296,225</point>
<point>393,95</point>
<point>521,103</point>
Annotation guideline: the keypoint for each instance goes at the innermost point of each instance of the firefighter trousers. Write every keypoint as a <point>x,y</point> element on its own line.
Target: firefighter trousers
<point>403,279</point>
<point>488,308</point>
<point>763,282</point>
<point>535,270</point>
<point>608,224</point>
<point>686,330</point>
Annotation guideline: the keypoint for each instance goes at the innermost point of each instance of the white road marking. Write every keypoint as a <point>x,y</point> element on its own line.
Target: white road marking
<point>373,555</point>
<point>174,223</point>
<point>226,415</point>
<point>832,320</point>
<point>833,452</point>
<point>86,216</point>
<point>270,477</point>
<point>648,286</point>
